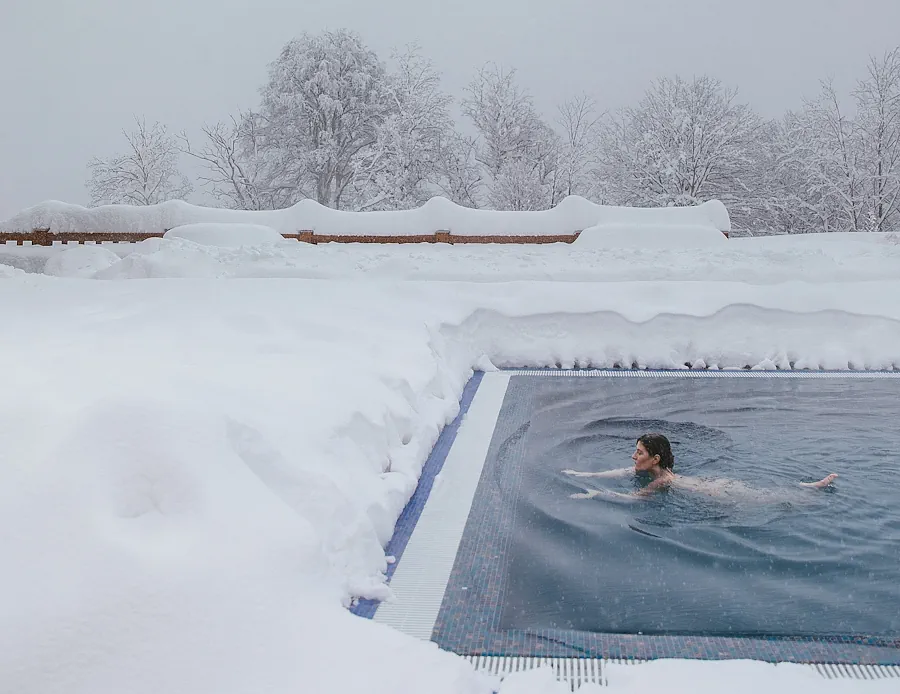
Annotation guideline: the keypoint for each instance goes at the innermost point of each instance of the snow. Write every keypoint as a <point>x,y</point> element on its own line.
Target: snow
<point>644,229</point>
<point>226,235</point>
<point>197,474</point>
<point>646,236</point>
<point>10,271</point>
<point>765,260</point>
<point>80,261</point>
<point>709,214</point>
<point>438,214</point>
<point>815,258</point>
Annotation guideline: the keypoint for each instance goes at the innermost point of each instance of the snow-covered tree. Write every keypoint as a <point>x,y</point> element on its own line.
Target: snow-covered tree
<point>145,174</point>
<point>460,178</point>
<point>402,167</point>
<point>241,171</point>
<point>839,168</point>
<point>532,182</point>
<point>779,209</point>
<point>334,125</point>
<point>324,102</point>
<point>578,123</point>
<point>504,115</point>
<point>820,157</point>
<point>516,187</point>
<point>878,120</point>
<point>684,143</point>
<point>514,141</point>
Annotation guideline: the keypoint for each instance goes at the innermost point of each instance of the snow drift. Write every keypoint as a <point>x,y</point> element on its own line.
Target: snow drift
<point>815,258</point>
<point>646,236</point>
<point>226,235</point>
<point>7,271</point>
<point>80,261</point>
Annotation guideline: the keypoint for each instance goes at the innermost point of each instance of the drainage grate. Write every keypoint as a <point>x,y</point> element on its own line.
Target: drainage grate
<point>576,672</point>
<point>573,671</point>
<point>858,672</point>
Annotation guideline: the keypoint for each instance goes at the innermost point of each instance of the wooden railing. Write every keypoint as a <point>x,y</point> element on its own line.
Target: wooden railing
<point>45,237</point>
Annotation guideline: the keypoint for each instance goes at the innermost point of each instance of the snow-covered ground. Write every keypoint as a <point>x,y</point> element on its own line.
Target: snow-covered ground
<point>196,474</point>
<point>814,258</point>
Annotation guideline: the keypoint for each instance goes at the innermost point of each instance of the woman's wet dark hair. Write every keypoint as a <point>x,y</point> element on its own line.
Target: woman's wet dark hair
<point>657,444</point>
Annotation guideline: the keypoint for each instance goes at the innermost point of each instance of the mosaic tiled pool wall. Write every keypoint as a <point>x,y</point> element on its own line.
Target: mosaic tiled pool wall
<point>469,621</point>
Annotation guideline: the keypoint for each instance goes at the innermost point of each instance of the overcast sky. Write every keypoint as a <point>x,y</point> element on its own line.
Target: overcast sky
<point>73,72</point>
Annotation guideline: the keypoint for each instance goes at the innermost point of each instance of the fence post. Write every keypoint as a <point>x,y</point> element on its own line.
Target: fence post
<point>41,237</point>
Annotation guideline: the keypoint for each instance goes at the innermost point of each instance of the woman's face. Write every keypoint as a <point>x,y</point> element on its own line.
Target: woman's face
<point>643,461</point>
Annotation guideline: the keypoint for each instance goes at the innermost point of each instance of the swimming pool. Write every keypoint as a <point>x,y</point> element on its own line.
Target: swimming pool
<point>765,559</point>
<point>780,573</point>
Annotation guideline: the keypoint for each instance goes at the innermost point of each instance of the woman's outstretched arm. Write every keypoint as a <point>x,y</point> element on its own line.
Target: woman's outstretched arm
<point>621,472</point>
<point>633,496</point>
<point>592,493</point>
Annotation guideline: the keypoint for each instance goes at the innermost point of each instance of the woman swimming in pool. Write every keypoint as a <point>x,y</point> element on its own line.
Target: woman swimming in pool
<point>653,457</point>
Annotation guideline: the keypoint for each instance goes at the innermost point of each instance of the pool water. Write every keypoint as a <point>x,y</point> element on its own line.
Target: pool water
<point>763,557</point>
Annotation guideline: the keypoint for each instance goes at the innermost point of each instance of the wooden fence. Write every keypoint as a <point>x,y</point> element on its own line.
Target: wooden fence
<point>45,237</point>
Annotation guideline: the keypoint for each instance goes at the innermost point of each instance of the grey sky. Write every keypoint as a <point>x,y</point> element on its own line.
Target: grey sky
<point>73,72</point>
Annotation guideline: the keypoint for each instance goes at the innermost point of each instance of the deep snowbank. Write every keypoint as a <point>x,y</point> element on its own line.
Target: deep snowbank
<point>80,261</point>
<point>7,271</point>
<point>810,257</point>
<point>728,338</point>
<point>644,236</point>
<point>226,235</point>
<point>174,520</point>
<point>196,475</point>
<point>852,257</point>
<point>438,214</point>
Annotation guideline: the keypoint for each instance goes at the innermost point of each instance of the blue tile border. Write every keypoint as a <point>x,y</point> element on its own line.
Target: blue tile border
<point>406,523</point>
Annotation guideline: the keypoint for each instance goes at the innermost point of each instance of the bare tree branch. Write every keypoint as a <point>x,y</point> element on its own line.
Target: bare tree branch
<point>146,174</point>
